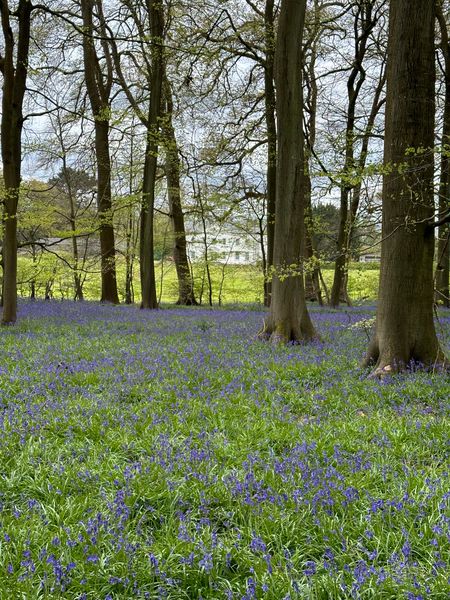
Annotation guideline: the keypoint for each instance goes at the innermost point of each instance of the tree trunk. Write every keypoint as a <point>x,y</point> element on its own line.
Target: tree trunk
<point>340,265</point>
<point>77,279</point>
<point>107,242</point>
<point>14,84</point>
<point>288,319</point>
<point>98,87</point>
<point>377,103</point>
<point>443,249</point>
<point>269,89</point>
<point>207,270</point>
<point>148,283</point>
<point>312,271</point>
<point>172,166</point>
<point>129,260</point>
<point>10,253</point>
<point>404,324</point>
<point>147,258</point>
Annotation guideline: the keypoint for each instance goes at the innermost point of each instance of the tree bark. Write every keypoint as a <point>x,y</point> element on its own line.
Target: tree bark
<point>312,274</point>
<point>107,241</point>
<point>443,246</point>
<point>288,319</point>
<point>404,323</point>
<point>99,87</point>
<point>148,283</point>
<point>130,251</point>
<point>14,85</point>
<point>340,265</point>
<point>271,175</point>
<point>172,167</point>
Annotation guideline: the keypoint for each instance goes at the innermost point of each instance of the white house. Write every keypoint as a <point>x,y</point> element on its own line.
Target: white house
<point>369,258</point>
<point>225,244</point>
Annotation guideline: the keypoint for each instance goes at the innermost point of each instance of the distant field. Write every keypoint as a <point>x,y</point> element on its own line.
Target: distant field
<point>172,455</point>
<point>230,284</point>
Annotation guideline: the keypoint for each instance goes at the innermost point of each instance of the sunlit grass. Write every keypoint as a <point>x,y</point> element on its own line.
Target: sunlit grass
<point>230,283</point>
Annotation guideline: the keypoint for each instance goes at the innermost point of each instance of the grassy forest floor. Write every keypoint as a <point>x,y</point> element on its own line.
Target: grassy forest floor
<point>170,454</point>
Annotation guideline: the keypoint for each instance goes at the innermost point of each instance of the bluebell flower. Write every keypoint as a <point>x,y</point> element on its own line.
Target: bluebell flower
<point>310,568</point>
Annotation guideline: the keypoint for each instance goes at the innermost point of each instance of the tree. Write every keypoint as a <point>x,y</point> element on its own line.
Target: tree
<point>234,57</point>
<point>366,15</point>
<point>443,249</point>
<point>71,187</point>
<point>36,215</point>
<point>141,18</point>
<point>314,30</point>
<point>288,319</point>
<point>172,168</point>
<point>148,287</point>
<point>127,215</point>
<point>404,322</point>
<point>14,68</point>
<point>99,86</point>
<point>270,118</point>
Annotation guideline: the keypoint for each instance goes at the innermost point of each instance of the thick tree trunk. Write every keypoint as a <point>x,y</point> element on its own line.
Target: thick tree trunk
<point>288,319</point>
<point>148,283</point>
<point>172,166</point>
<point>338,289</point>
<point>14,85</point>
<point>404,324</point>
<point>107,242</point>
<point>11,153</point>
<point>269,89</point>
<point>10,250</point>
<point>98,88</point>
<point>147,258</point>
<point>443,246</point>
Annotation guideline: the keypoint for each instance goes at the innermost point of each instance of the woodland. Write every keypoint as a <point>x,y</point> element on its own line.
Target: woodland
<point>247,105</point>
<point>225,264</point>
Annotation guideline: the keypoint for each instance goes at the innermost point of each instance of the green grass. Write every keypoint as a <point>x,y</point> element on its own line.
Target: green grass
<point>230,284</point>
<point>170,454</point>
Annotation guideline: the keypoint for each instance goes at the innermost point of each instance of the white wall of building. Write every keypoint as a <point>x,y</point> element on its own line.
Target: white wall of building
<point>225,247</point>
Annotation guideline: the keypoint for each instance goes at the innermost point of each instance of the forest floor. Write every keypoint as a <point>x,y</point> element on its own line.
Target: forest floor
<point>171,454</point>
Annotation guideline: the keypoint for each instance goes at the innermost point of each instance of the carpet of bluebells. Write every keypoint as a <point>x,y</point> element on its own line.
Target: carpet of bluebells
<point>171,454</point>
